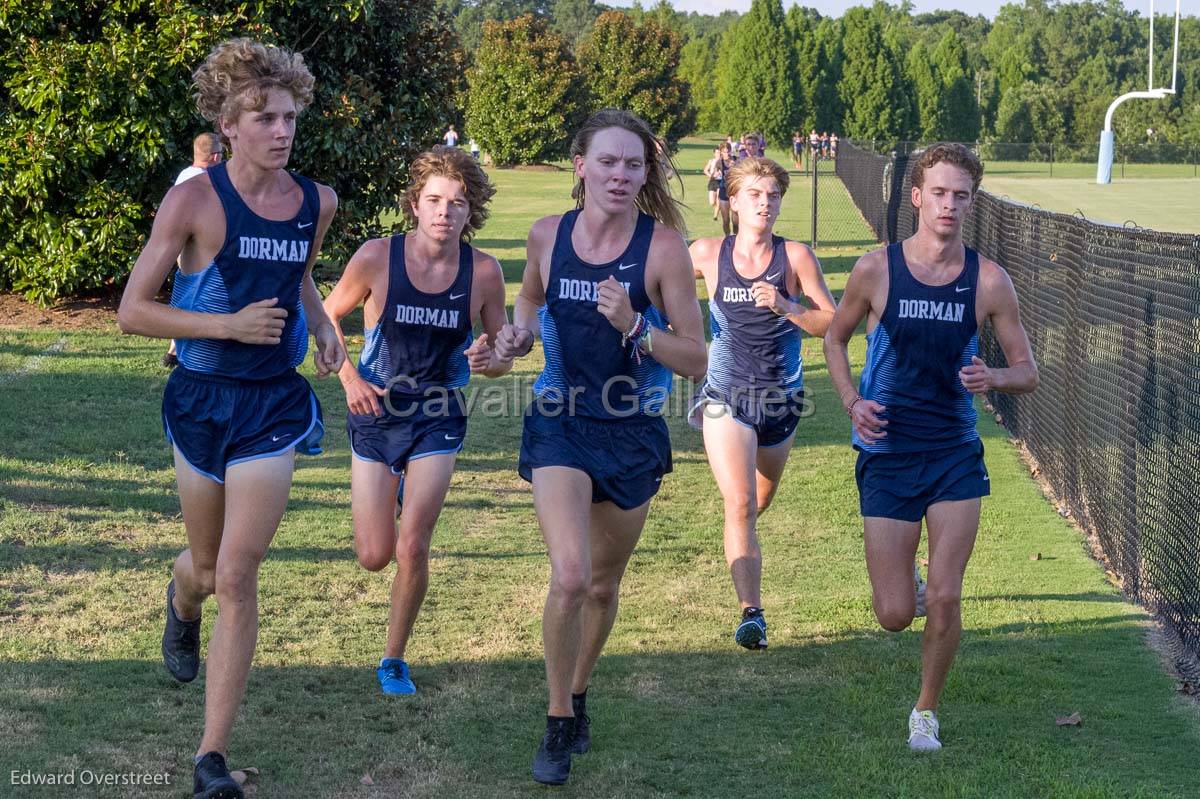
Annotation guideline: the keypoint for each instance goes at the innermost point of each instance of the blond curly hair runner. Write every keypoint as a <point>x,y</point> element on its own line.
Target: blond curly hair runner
<point>239,73</point>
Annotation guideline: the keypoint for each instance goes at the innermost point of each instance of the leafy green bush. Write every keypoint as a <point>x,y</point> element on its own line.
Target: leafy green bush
<point>96,118</point>
<point>633,66</point>
<point>526,94</point>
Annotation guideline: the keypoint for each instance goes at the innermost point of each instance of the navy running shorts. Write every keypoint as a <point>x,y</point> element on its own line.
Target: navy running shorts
<point>902,485</point>
<point>216,422</point>
<point>625,458</point>
<point>410,428</point>
<point>772,415</point>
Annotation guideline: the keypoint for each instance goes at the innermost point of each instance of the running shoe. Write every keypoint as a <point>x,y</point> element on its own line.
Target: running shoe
<point>393,677</point>
<point>180,642</point>
<point>752,630</point>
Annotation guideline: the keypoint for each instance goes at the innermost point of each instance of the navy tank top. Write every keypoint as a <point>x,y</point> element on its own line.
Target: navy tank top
<point>925,335</point>
<point>585,362</point>
<point>752,347</point>
<point>420,340</point>
<point>260,259</point>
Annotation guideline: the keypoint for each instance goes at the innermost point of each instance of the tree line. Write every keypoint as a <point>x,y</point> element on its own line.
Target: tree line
<point>96,116</point>
<point>1038,72</point>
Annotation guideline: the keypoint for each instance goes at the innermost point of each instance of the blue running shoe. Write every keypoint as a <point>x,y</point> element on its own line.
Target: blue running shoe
<point>552,763</point>
<point>211,779</point>
<point>752,631</point>
<point>393,677</point>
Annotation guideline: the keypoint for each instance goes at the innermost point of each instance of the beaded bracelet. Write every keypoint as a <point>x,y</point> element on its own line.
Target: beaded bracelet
<point>635,331</point>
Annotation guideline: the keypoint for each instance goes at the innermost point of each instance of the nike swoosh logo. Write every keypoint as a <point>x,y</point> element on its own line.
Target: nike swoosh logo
<point>458,296</point>
<point>306,224</point>
<point>453,438</point>
<point>623,267</point>
<point>961,289</point>
<point>772,277</point>
<point>277,438</point>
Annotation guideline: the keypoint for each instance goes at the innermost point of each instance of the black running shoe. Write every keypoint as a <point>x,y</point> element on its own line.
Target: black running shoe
<point>211,779</point>
<point>552,763</point>
<point>180,642</point>
<point>752,630</point>
<point>583,726</point>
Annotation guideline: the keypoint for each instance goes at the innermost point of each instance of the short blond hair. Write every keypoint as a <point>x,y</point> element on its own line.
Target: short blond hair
<point>752,167</point>
<point>454,164</point>
<point>238,74</point>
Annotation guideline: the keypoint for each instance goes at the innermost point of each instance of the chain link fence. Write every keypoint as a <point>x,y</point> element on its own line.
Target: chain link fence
<point>1113,315</point>
<point>1145,159</point>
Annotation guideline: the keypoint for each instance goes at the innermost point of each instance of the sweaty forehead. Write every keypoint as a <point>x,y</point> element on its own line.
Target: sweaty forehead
<point>617,143</point>
<point>947,176</point>
<point>442,186</point>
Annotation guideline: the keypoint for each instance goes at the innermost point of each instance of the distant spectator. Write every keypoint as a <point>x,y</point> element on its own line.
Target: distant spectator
<point>206,151</point>
<point>474,149</point>
<point>451,137</point>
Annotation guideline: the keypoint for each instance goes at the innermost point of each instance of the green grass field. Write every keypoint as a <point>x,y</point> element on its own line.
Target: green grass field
<point>89,525</point>
<point>1166,204</point>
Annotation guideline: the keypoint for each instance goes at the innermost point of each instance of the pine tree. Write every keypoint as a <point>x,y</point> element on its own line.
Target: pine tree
<point>927,87</point>
<point>828,112</point>
<point>698,68</point>
<point>872,86</point>
<point>573,18</point>
<point>802,28</point>
<point>961,121</point>
<point>758,89</point>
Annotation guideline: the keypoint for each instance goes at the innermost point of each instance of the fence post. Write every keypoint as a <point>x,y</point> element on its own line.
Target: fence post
<point>814,203</point>
<point>1051,159</point>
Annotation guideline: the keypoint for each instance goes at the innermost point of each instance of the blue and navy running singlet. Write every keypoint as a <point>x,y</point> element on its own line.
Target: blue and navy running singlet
<point>260,259</point>
<point>752,347</point>
<point>420,340</point>
<point>925,335</point>
<point>584,356</point>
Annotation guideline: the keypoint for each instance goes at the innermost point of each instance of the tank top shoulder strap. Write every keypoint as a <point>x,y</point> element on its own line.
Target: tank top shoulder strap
<point>971,267</point>
<point>725,261</point>
<point>895,260</point>
<point>398,283</point>
<point>643,234</point>
<point>562,250</point>
<point>777,271</point>
<point>311,207</point>
<point>231,202</point>
<point>466,271</point>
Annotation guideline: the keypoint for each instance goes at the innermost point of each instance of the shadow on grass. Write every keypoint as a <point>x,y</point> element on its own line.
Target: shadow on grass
<point>811,717</point>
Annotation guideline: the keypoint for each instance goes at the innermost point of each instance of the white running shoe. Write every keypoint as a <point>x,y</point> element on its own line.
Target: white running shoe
<point>920,583</point>
<point>923,731</point>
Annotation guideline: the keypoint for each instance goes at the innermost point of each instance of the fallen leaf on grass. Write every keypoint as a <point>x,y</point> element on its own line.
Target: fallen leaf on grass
<point>243,774</point>
<point>1073,720</point>
<point>366,780</point>
<point>1189,688</point>
<point>1036,556</point>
